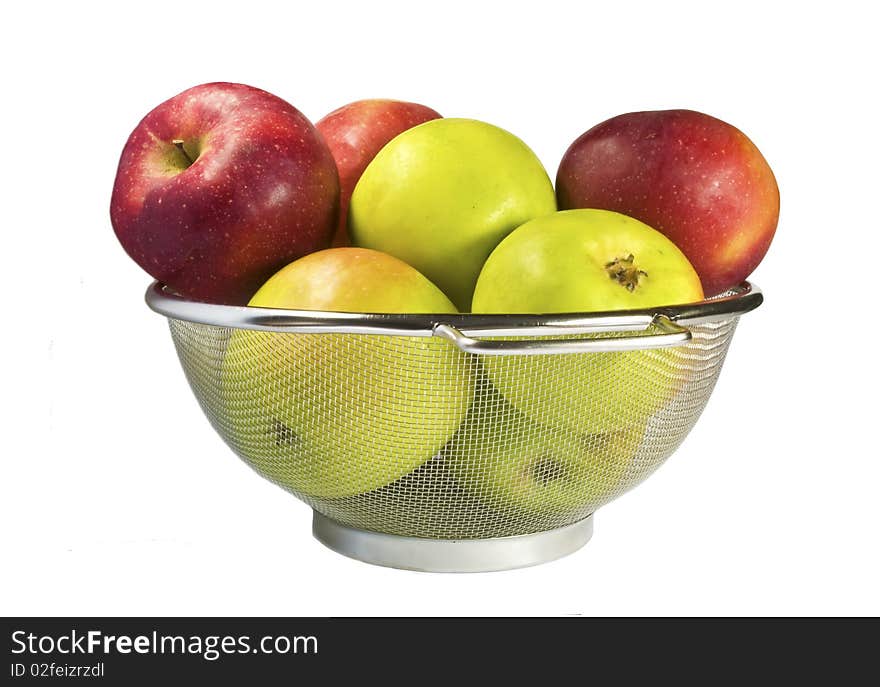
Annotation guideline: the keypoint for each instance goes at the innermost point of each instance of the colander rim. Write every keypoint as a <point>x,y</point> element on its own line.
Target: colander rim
<point>164,301</point>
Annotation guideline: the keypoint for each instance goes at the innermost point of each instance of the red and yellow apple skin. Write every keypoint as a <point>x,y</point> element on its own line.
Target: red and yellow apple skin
<point>696,179</point>
<point>334,415</point>
<point>355,133</point>
<point>349,279</point>
<point>249,187</point>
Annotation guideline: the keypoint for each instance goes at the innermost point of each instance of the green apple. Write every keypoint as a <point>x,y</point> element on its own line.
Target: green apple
<point>333,415</point>
<point>427,502</point>
<point>443,194</point>
<point>524,469</point>
<point>583,261</point>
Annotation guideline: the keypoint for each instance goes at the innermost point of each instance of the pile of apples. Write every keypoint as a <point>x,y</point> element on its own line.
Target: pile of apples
<point>223,185</point>
<point>228,194</point>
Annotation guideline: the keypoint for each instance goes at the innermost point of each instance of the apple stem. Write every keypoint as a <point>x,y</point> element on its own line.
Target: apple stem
<point>625,272</point>
<point>178,143</point>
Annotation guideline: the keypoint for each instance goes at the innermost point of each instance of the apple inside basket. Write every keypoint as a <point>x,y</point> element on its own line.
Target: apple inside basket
<point>452,426</point>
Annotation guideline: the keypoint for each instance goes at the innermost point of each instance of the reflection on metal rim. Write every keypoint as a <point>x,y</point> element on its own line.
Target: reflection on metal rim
<point>162,300</point>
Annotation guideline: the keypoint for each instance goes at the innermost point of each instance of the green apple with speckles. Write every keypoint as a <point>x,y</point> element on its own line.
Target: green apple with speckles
<point>580,261</point>
<point>443,194</point>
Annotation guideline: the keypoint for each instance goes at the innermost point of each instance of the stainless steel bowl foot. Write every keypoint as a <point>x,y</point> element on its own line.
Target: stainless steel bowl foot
<point>451,555</point>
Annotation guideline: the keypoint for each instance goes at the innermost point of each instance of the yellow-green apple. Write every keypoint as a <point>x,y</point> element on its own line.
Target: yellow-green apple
<point>427,502</point>
<point>333,415</point>
<point>356,132</point>
<point>221,186</point>
<point>583,261</point>
<point>522,468</point>
<point>443,194</point>
<point>695,178</point>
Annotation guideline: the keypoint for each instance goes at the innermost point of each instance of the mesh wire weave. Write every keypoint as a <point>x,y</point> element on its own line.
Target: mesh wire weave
<point>410,436</point>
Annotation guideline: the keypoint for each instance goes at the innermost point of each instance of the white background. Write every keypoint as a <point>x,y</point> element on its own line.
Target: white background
<point>118,498</point>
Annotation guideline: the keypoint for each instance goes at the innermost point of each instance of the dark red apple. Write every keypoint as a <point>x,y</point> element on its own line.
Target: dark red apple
<point>220,187</point>
<point>698,180</point>
<point>356,132</point>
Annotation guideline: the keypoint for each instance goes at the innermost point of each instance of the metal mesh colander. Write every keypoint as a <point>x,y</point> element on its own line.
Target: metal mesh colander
<point>473,428</point>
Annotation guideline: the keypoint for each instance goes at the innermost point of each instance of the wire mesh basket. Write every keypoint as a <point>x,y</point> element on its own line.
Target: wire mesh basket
<point>453,443</point>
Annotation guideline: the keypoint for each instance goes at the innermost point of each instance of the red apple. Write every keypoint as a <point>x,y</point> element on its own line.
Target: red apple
<point>220,187</point>
<point>696,179</point>
<point>356,132</point>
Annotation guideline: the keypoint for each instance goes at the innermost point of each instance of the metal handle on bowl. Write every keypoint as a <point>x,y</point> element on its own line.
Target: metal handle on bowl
<point>669,334</point>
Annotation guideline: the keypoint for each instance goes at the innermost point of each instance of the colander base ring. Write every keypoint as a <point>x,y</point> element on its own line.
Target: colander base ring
<point>451,555</point>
